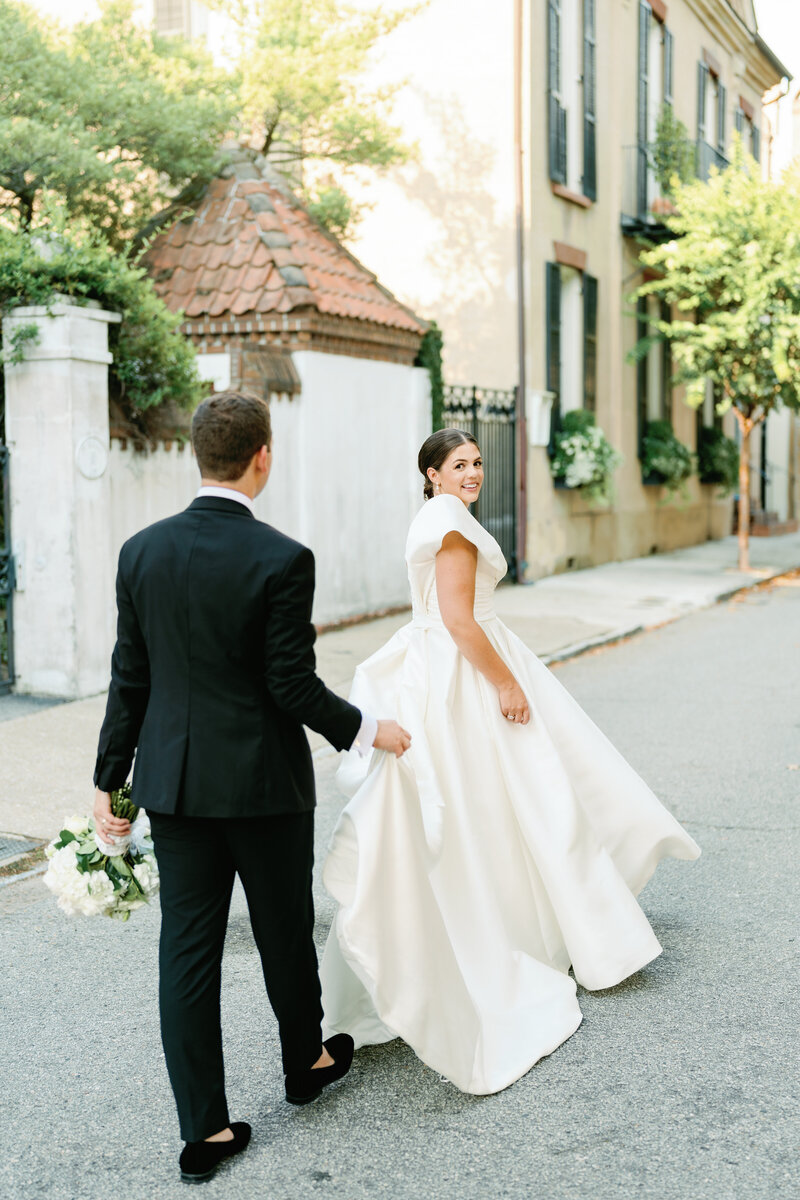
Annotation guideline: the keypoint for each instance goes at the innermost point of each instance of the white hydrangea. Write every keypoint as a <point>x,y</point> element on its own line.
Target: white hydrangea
<point>76,824</point>
<point>78,893</point>
<point>146,875</point>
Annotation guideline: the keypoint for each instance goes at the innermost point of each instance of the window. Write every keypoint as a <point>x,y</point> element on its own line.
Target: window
<point>654,370</point>
<point>571,305</point>
<point>743,119</point>
<point>170,16</point>
<point>712,101</point>
<point>654,92</point>
<point>571,95</point>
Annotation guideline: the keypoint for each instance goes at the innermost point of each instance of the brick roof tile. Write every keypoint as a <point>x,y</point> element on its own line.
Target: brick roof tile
<point>249,247</point>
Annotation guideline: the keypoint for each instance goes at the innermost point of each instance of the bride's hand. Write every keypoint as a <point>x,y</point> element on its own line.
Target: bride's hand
<point>513,704</point>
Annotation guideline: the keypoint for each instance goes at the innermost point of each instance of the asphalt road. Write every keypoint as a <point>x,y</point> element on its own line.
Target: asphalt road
<point>679,1083</point>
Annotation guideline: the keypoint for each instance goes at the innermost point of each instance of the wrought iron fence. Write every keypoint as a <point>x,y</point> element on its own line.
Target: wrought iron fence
<point>6,578</point>
<point>490,415</point>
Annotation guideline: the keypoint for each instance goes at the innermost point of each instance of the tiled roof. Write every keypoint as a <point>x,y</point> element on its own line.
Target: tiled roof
<point>251,248</point>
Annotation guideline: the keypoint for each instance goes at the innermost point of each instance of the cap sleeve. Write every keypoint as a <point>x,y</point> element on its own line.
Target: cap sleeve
<point>438,517</point>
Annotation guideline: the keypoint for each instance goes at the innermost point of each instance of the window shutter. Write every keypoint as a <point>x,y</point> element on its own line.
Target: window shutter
<point>756,143</point>
<point>589,101</point>
<point>722,113</point>
<point>669,67</point>
<point>642,329</point>
<point>666,368</point>
<point>556,115</point>
<point>738,120</point>
<point>642,108</point>
<point>590,343</point>
<point>702,89</point>
<point>553,336</point>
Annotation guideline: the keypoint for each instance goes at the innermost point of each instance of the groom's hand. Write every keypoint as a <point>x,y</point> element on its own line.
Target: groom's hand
<point>105,823</point>
<point>392,738</point>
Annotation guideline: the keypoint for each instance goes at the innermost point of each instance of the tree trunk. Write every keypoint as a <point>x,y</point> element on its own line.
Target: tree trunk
<point>746,425</point>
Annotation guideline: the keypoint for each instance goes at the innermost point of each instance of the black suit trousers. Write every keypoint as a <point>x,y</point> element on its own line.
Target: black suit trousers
<point>198,859</point>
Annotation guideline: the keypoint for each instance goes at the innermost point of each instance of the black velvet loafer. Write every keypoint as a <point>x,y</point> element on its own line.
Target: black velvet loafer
<point>304,1086</point>
<point>199,1160</point>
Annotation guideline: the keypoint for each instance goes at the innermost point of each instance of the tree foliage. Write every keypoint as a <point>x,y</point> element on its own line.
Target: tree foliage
<point>304,95</point>
<point>108,119</point>
<point>152,361</point>
<point>732,274</point>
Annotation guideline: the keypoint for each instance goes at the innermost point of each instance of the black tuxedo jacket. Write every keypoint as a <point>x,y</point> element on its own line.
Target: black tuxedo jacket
<point>213,674</point>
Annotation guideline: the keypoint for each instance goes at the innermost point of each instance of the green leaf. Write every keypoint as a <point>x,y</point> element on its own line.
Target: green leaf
<point>66,837</point>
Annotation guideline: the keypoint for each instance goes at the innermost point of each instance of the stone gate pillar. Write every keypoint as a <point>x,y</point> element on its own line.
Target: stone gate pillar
<point>57,433</point>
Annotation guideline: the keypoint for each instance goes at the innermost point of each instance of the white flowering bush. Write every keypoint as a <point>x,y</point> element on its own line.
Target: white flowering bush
<point>584,458</point>
<point>90,877</point>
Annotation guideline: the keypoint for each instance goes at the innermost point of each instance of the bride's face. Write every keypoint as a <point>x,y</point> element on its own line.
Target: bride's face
<point>461,473</point>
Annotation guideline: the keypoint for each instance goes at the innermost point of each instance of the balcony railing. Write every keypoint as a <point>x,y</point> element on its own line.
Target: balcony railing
<point>646,171</point>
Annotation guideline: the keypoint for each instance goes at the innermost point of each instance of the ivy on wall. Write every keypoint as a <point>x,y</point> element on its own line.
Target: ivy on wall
<point>430,357</point>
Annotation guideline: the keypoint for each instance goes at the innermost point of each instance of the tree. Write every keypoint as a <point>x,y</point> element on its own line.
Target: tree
<point>304,97</point>
<point>732,271</point>
<point>108,119</point>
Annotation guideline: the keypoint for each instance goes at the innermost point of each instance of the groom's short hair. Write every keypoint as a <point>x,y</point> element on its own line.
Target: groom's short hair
<point>227,430</point>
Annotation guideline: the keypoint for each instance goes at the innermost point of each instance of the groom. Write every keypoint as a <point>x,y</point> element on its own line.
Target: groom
<point>212,680</point>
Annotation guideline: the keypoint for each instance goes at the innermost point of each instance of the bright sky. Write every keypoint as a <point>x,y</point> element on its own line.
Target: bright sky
<point>778,23</point>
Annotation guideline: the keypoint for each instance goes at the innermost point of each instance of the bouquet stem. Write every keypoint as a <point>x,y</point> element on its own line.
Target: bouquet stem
<point>121,804</point>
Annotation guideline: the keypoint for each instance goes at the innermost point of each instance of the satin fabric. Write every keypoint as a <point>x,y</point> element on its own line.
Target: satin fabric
<point>473,872</point>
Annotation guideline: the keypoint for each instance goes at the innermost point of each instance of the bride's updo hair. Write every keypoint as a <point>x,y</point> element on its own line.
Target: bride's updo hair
<point>436,449</point>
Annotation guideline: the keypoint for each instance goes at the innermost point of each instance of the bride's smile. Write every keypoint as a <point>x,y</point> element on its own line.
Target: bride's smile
<point>461,474</point>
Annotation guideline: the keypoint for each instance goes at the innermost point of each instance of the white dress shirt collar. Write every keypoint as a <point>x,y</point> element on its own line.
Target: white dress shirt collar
<point>223,493</point>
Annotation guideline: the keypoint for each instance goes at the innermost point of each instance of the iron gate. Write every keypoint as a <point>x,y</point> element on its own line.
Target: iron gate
<point>490,415</point>
<point>6,579</point>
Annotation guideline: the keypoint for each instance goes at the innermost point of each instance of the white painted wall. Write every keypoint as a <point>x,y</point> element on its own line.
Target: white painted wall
<point>345,480</point>
<point>57,434</point>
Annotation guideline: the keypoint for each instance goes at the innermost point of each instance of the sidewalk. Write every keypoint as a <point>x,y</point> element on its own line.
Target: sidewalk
<point>47,755</point>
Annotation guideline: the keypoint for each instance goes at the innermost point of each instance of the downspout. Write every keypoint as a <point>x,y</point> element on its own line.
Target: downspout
<point>519,188</point>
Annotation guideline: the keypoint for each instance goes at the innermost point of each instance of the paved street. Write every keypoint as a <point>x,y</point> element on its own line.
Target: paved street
<point>678,1084</point>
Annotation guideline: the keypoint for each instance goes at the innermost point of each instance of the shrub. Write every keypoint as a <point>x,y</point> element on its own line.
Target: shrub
<point>153,361</point>
<point>665,457</point>
<point>718,459</point>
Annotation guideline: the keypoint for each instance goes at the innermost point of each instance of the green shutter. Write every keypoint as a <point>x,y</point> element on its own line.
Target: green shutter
<point>590,343</point>
<point>702,89</point>
<point>738,120</point>
<point>756,143</point>
<point>669,67</point>
<point>589,101</point>
<point>553,342</point>
<point>642,108</point>
<point>722,106</point>
<point>556,115</point>
<point>642,330</point>
<point>666,368</point>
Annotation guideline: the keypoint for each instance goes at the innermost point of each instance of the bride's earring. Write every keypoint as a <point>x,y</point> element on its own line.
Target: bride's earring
<point>437,490</point>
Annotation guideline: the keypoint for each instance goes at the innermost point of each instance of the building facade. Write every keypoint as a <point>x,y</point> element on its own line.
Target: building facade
<point>601,77</point>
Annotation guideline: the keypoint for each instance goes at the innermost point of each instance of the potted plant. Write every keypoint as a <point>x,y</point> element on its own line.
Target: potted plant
<point>583,458</point>
<point>665,459</point>
<point>718,459</point>
<point>673,158</point>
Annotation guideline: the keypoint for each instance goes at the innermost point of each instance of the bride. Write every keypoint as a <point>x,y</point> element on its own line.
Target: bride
<point>504,848</point>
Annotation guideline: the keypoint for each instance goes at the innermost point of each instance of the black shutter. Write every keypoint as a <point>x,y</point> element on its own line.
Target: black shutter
<point>589,101</point>
<point>756,143</point>
<point>669,67</point>
<point>722,114</point>
<point>642,108</point>
<point>590,343</point>
<point>642,329</point>
<point>553,346</point>
<point>666,368</point>
<point>556,115</point>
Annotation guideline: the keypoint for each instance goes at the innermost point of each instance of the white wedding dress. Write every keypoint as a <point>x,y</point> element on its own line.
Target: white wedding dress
<point>474,871</point>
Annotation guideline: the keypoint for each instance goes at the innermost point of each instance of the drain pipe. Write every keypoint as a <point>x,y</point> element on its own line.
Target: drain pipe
<point>519,188</point>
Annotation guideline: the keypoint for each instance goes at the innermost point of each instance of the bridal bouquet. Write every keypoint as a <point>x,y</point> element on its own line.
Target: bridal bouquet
<point>90,877</point>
